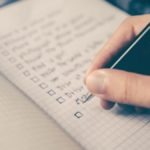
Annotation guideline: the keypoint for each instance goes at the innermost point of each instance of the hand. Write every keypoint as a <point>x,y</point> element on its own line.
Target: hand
<point>119,86</point>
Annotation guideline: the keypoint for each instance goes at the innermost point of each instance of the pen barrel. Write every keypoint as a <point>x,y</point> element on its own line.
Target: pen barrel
<point>134,57</point>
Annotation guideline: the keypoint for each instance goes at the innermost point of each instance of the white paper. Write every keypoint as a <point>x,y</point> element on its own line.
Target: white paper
<point>46,52</point>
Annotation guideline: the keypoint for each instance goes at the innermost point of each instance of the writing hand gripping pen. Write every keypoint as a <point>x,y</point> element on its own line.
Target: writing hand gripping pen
<point>133,58</point>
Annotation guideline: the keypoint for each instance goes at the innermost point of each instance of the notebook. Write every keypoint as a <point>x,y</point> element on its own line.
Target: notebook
<point>45,49</point>
<point>23,126</point>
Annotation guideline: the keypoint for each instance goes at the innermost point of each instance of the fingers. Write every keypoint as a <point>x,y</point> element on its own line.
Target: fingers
<point>139,22</point>
<point>121,37</point>
<point>120,86</point>
<point>104,103</point>
<point>107,104</point>
<point>124,34</point>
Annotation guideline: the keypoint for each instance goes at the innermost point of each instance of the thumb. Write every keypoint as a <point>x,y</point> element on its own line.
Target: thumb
<point>120,86</point>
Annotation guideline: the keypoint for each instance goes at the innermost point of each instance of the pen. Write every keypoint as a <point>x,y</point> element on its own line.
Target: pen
<point>134,57</point>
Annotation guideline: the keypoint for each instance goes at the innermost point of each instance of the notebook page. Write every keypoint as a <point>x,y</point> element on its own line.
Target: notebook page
<point>47,58</point>
<point>22,124</point>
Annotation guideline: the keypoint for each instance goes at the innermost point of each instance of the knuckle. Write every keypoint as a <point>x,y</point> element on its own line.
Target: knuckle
<point>129,90</point>
<point>127,28</point>
<point>127,21</point>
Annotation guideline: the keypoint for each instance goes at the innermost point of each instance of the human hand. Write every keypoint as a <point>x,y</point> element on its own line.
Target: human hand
<point>114,85</point>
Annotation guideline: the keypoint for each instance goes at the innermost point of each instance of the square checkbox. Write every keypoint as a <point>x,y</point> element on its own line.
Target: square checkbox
<point>78,115</point>
<point>60,100</point>
<point>26,73</point>
<point>43,85</point>
<point>19,66</point>
<point>51,92</point>
<point>35,79</point>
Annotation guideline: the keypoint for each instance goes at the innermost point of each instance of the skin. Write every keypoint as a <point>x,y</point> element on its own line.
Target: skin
<point>114,85</point>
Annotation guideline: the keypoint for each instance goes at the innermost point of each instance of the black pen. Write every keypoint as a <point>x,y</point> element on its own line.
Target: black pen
<point>134,57</point>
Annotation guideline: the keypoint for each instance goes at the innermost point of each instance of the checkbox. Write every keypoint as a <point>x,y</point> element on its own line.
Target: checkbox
<point>78,115</point>
<point>43,85</point>
<point>60,100</point>
<point>26,73</point>
<point>51,92</point>
<point>54,79</point>
<point>19,66</point>
<point>35,79</point>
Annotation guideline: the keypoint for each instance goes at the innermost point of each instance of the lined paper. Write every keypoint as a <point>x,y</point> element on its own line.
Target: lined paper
<point>46,56</point>
<point>24,126</point>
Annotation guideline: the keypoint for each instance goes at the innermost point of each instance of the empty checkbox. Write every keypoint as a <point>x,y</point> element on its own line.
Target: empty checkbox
<point>19,66</point>
<point>26,73</point>
<point>51,92</point>
<point>43,85</point>
<point>35,79</point>
<point>60,100</point>
<point>78,115</point>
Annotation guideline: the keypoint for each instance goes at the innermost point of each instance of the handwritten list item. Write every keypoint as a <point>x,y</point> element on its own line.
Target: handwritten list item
<point>41,46</point>
<point>47,59</point>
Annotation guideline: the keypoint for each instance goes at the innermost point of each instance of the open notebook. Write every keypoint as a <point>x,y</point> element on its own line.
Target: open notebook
<point>46,47</point>
<point>23,126</point>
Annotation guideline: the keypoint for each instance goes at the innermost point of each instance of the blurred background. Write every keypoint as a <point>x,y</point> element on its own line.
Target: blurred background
<point>5,2</point>
<point>133,7</point>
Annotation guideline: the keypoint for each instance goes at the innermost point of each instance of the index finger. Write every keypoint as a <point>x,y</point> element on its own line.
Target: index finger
<point>124,34</point>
